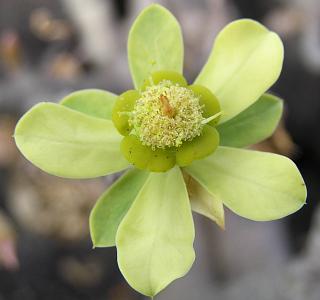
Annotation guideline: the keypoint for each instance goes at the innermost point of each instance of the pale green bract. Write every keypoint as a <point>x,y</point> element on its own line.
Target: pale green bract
<point>155,238</point>
<point>112,206</point>
<point>245,61</point>
<point>154,43</point>
<point>93,102</point>
<point>204,203</point>
<point>254,124</point>
<point>148,215</point>
<point>66,143</point>
<point>256,185</point>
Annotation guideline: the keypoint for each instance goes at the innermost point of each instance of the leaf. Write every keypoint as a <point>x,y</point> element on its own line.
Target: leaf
<point>67,143</point>
<point>256,185</point>
<point>93,102</point>
<point>113,205</point>
<point>155,43</point>
<point>202,202</point>
<point>155,239</point>
<point>254,124</point>
<point>245,61</point>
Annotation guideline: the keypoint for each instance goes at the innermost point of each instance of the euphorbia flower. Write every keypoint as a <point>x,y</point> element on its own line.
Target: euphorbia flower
<point>166,133</point>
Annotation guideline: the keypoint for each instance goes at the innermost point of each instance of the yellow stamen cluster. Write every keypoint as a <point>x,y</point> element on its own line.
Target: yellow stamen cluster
<point>166,115</point>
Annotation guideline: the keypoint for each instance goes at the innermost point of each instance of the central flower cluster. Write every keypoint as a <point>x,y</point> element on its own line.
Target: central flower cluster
<point>166,115</point>
<point>166,122</point>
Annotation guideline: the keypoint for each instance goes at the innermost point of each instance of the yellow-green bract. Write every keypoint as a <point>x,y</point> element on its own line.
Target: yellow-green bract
<point>147,216</point>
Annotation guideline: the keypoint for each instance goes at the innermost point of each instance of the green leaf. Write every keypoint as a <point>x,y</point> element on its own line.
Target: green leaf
<point>67,143</point>
<point>245,61</point>
<point>112,206</point>
<point>254,124</point>
<point>155,43</point>
<point>155,239</point>
<point>256,185</point>
<point>93,102</point>
<point>202,202</point>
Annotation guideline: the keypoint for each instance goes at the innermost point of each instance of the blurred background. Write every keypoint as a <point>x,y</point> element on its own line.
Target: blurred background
<point>51,48</point>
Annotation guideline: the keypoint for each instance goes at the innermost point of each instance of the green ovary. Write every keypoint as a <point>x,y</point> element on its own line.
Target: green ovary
<point>165,124</point>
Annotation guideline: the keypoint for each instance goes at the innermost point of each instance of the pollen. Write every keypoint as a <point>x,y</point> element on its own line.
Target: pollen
<point>166,115</point>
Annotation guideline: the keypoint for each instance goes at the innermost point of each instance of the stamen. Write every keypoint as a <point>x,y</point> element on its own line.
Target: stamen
<point>205,121</point>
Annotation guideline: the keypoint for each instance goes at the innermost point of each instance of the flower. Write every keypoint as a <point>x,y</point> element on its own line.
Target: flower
<point>167,122</point>
<point>181,138</point>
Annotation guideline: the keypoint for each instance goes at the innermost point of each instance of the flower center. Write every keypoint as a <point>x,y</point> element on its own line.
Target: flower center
<point>166,115</point>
